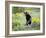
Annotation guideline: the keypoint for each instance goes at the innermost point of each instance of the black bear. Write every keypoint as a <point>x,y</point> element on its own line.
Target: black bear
<point>28,18</point>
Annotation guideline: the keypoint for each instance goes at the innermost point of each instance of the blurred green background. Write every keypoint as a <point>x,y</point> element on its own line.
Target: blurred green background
<point>19,19</point>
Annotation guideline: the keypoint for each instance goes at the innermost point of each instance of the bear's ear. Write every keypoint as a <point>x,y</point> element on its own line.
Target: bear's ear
<point>24,12</point>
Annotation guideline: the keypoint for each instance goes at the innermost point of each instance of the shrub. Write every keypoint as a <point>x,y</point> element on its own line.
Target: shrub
<point>35,20</point>
<point>19,21</point>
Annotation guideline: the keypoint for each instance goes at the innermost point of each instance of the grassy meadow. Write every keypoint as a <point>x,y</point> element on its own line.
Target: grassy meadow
<point>19,19</point>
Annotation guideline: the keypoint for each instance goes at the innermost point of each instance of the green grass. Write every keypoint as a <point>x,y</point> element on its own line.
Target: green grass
<point>36,28</point>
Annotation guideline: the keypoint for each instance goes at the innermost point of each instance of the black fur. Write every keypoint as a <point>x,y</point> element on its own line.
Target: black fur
<point>28,17</point>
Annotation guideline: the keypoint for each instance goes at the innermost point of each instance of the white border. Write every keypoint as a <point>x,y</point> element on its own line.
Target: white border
<point>23,32</point>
